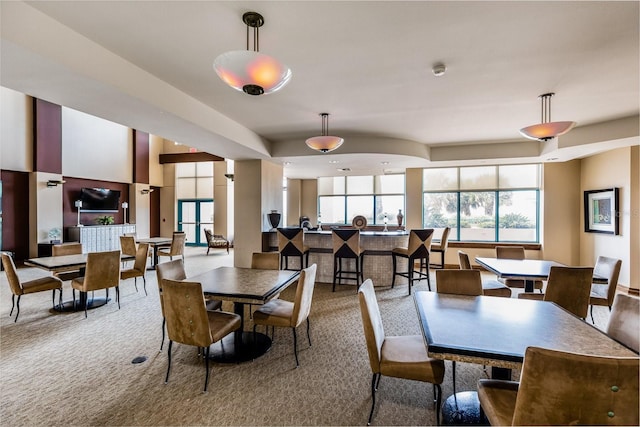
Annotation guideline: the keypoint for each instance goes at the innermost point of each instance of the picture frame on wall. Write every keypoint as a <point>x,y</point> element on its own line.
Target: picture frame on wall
<point>601,214</point>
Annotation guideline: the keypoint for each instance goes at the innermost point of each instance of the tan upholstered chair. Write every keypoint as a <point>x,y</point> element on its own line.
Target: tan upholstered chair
<point>346,245</point>
<point>139,267</point>
<point>215,240</point>
<point>177,246</point>
<point>491,288</point>
<point>568,287</point>
<point>515,252</point>
<point>395,356</point>
<point>291,244</point>
<point>102,272</point>
<point>562,388</point>
<point>265,260</point>
<point>624,322</point>
<point>189,322</point>
<point>441,247</point>
<point>63,249</point>
<point>603,294</point>
<point>19,288</point>
<point>128,246</point>
<point>289,314</point>
<point>418,250</point>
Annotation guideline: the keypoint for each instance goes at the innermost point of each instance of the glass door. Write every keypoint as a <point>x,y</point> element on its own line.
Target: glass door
<point>193,217</point>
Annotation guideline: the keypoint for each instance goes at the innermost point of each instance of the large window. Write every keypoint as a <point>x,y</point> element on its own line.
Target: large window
<point>342,198</point>
<point>484,203</point>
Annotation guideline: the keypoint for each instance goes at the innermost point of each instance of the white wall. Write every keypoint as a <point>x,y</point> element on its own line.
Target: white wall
<point>16,131</point>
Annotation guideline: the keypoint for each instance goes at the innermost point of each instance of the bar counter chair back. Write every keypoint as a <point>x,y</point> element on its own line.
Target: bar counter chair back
<point>418,250</point>
<point>291,244</point>
<point>603,294</point>
<point>515,252</point>
<point>491,288</point>
<point>346,245</point>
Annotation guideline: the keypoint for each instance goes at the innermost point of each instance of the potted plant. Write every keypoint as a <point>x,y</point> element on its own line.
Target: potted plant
<point>105,220</point>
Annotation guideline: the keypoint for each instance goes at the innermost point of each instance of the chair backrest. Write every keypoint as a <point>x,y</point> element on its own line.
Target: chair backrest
<point>576,389</point>
<point>186,313</point>
<point>624,322</point>
<point>570,287</point>
<point>372,323</point>
<point>265,260</point>
<point>142,253</point>
<point>208,234</point>
<point>12,275</point>
<point>346,243</point>
<point>444,240</point>
<point>463,258</point>
<point>172,270</point>
<point>304,295</point>
<point>102,271</point>
<point>510,252</point>
<point>420,242</point>
<point>128,245</point>
<point>66,249</point>
<point>177,243</point>
<point>290,241</point>
<point>609,268</point>
<point>459,282</point>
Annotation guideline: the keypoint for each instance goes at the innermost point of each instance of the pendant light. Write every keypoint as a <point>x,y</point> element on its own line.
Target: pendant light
<point>325,142</point>
<point>547,129</point>
<point>250,71</point>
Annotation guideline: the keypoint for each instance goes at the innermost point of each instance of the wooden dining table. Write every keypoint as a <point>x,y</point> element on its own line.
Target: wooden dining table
<point>243,286</point>
<point>528,270</point>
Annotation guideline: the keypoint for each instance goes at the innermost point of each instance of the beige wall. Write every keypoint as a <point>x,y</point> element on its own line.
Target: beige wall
<point>156,146</point>
<point>634,196</point>
<point>294,202</point>
<point>222,187</point>
<point>413,200</point>
<point>308,202</point>
<point>16,131</point>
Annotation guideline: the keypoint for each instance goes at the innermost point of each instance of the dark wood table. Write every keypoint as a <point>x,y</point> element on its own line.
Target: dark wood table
<point>154,244</point>
<point>243,286</point>
<point>528,270</point>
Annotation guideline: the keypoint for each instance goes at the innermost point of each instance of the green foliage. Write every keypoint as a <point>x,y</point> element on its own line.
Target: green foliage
<point>515,220</point>
<point>105,220</point>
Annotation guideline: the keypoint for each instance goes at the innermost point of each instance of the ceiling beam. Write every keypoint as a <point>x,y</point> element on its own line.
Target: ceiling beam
<point>189,158</point>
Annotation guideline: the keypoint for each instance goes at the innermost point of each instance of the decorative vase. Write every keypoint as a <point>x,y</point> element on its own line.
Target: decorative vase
<point>400,217</point>
<point>274,219</point>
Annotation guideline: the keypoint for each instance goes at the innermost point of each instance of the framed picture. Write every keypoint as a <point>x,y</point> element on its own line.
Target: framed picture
<point>601,211</point>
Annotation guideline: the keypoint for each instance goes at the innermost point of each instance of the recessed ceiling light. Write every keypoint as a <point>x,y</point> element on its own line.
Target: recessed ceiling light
<point>334,161</point>
<point>551,159</point>
<point>344,169</point>
<point>384,163</point>
<point>439,69</point>
<point>286,163</point>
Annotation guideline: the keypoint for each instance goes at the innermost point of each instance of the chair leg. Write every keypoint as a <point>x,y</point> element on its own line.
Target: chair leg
<point>13,304</point>
<point>410,273</point>
<point>308,332</point>
<point>164,322</point>
<point>438,394</point>
<point>118,296</point>
<point>86,304</point>
<point>144,282</point>
<point>335,272</point>
<point>166,380</point>
<point>135,283</point>
<point>295,345</point>
<point>18,308</point>
<point>428,276</point>
<point>73,295</point>
<point>393,278</point>
<point>453,373</point>
<point>374,387</point>
<point>591,310</point>
<point>206,378</point>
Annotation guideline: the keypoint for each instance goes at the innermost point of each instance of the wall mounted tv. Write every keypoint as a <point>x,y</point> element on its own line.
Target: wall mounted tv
<point>99,200</point>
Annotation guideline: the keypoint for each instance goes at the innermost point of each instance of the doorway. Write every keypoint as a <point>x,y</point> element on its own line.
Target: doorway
<point>194,215</point>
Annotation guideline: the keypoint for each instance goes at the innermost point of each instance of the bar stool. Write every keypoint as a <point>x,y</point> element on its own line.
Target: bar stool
<point>441,247</point>
<point>290,243</point>
<point>346,244</point>
<point>418,249</point>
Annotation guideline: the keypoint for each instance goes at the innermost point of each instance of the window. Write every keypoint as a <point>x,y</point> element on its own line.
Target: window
<point>374,197</point>
<point>486,203</point>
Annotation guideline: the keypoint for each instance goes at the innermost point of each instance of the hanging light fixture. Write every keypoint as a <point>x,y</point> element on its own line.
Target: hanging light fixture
<point>250,71</point>
<point>325,142</point>
<point>547,129</point>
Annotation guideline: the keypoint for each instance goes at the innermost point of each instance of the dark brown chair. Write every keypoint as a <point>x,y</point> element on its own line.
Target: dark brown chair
<point>189,322</point>
<point>396,356</point>
<point>178,241</point>
<point>62,249</point>
<point>139,267</point>
<point>346,245</point>
<point>491,288</point>
<point>624,323</point>
<point>568,287</point>
<point>562,388</point>
<point>215,241</point>
<point>515,252</point>
<point>19,288</point>
<point>291,244</point>
<point>102,272</point>
<point>603,294</point>
<point>418,250</point>
<point>289,314</point>
<point>441,247</point>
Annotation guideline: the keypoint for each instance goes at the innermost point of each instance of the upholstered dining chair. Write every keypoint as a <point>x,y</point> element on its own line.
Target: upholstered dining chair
<point>346,245</point>
<point>139,267</point>
<point>264,261</point>
<point>603,294</point>
<point>491,288</point>
<point>189,322</point>
<point>291,244</point>
<point>624,322</point>
<point>128,246</point>
<point>102,272</point>
<point>441,247</point>
<point>19,287</point>
<point>178,241</point>
<point>215,240</point>
<point>563,388</point>
<point>515,252</point>
<point>569,287</point>
<point>287,314</point>
<point>417,250</point>
<point>396,356</point>
<point>72,248</point>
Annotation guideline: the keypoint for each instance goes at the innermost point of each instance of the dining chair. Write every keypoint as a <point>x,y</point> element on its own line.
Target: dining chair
<point>624,322</point>
<point>264,261</point>
<point>178,241</point>
<point>287,314</point>
<point>73,248</point>
<point>128,246</point>
<point>564,388</point>
<point>441,247</point>
<point>139,267</point>
<point>215,240</point>
<point>291,244</point>
<point>102,272</point>
<point>346,245</point>
<point>417,250</point>
<point>19,287</point>
<point>515,252</point>
<point>395,356</point>
<point>491,288</point>
<point>190,323</point>
<point>603,294</point>
<point>569,287</point>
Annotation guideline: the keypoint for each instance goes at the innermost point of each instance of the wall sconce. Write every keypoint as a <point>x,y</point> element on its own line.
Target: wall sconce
<point>229,176</point>
<point>78,204</point>
<point>55,182</point>
<point>146,191</point>
<point>125,205</point>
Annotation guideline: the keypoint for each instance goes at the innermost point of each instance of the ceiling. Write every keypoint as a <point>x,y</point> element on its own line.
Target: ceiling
<point>148,65</point>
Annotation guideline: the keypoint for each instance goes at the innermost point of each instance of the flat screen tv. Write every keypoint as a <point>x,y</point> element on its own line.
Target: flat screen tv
<point>99,200</point>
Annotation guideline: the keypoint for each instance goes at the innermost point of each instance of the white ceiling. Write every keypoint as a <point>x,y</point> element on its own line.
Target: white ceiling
<point>148,65</point>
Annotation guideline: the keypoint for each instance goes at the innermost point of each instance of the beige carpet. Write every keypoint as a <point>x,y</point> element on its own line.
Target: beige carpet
<point>63,369</point>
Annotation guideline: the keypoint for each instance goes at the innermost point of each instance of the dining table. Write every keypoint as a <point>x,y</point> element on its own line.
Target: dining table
<point>242,286</point>
<point>528,270</point>
<point>155,243</point>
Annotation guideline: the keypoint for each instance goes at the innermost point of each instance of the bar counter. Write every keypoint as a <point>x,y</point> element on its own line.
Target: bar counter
<point>377,246</point>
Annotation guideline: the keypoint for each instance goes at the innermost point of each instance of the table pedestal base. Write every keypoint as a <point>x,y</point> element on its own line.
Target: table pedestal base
<point>67,306</point>
<point>463,408</point>
<point>227,350</point>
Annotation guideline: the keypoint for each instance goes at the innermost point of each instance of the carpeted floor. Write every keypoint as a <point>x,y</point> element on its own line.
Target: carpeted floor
<point>63,369</point>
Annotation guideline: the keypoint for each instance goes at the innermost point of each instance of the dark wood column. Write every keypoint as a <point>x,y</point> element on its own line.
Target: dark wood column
<point>140,157</point>
<point>47,137</point>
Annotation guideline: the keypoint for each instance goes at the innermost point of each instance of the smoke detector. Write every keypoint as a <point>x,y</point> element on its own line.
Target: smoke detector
<point>439,69</point>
